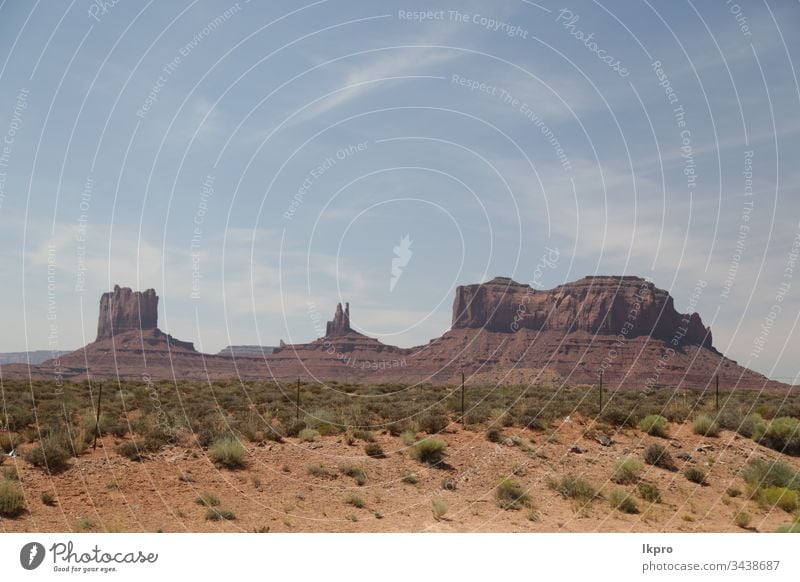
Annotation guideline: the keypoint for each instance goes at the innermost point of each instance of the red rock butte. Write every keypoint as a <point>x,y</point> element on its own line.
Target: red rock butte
<point>502,332</point>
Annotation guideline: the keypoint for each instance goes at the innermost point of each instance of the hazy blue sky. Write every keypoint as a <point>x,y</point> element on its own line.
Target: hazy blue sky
<point>214,147</point>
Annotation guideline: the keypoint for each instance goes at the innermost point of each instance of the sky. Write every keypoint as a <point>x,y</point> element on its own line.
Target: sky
<point>256,163</point>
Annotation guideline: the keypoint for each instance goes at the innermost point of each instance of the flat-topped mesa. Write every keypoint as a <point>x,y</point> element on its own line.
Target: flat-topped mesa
<point>629,305</point>
<point>123,310</point>
<point>341,322</point>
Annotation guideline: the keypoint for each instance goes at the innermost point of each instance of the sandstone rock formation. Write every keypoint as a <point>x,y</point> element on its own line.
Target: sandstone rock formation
<point>631,306</point>
<point>123,310</point>
<point>341,322</point>
<point>502,332</point>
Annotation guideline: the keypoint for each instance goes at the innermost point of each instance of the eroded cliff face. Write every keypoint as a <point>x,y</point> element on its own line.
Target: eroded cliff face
<point>123,310</point>
<point>631,306</point>
<point>341,322</point>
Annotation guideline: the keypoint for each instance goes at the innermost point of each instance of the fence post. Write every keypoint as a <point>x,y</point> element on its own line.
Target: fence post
<point>463,416</point>
<point>601,391</point>
<point>297,402</point>
<point>97,420</point>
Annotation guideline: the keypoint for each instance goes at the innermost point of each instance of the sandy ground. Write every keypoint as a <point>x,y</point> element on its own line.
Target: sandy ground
<point>103,491</point>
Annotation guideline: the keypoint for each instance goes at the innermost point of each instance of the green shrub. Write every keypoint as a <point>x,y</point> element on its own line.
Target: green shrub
<point>494,435</point>
<point>208,499</point>
<point>410,478</point>
<point>573,487</point>
<point>654,425</point>
<point>12,501</point>
<point>213,514</point>
<point>742,519</point>
<point>618,416</point>
<point>760,473</point>
<point>753,426</point>
<point>48,498</point>
<point>623,501</point>
<point>356,473</point>
<point>511,495</point>
<point>320,471</point>
<point>227,452</point>
<point>429,450</point>
<point>695,475</point>
<point>783,434</point>
<point>133,450</point>
<point>433,422</point>
<point>704,425</point>
<point>374,450</point>
<point>781,497</point>
<point>49,454</point>
<point>355,501</point>
<point>439,508</point>
<point>294,428</point>
<point>364,435</point>
<point>733,491</point>
<point>658,456</point>
<point>790,528</point>
<point>626,471</point>
<point>649,492</point>
<point>745,425</point>
<point>408,437</point>
<point>307,435</point>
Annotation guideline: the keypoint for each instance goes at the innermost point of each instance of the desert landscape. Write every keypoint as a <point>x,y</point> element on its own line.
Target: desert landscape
<point>140,432</point>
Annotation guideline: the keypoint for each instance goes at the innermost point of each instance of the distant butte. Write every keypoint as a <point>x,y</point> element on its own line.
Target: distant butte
<point>502,331</point>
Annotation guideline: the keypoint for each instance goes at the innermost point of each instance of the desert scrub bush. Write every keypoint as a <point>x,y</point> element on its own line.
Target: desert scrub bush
<point>626,471</point>
<point>649,492</point>
<point>494,435</point>
<point>623,501</point>
<point>654,425</point>
<point>511,495</point>
<point>733,492</point>
<point>357,473</point>
<point>429,450</point>
<point>374,450</point>
<point>573,487</point>
<point>208,499</point>
<point>781,497</point>
<point>355,501</point>
<point>618,416</point>
<point>317,470</point>
<point>47,498</point>
<point>214,514</point>
<point>783,434</point>
<point>49,454</point>
<point>449,484</point>
<point>408,437</point>
<point>744,424</point>
<point>695,475</point>
<point>133,450</point>
<point>12,501</point>
<point>364,435</point>
<point>439,508</point>
<point>227,452</point>
<point>742,519</point>
<point>294,428</point>
<point>704,425</point>
<point>433,422</point>
<point>307,435</point>
<point>658,456</point>
<point>410,478</point>
<point>789,528</point>
<point>763,473</point>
